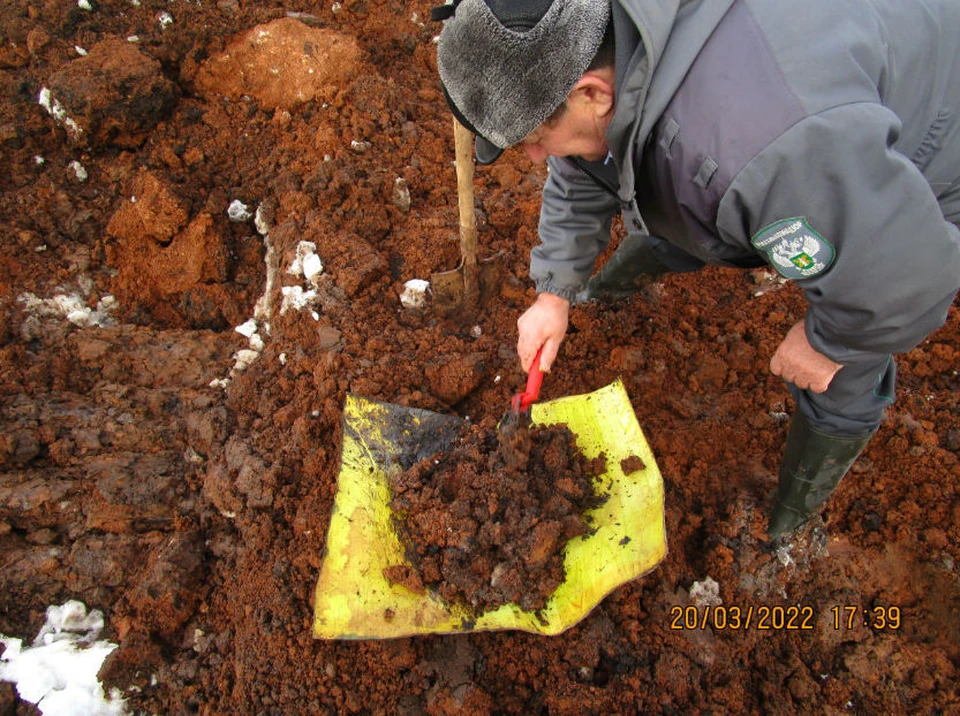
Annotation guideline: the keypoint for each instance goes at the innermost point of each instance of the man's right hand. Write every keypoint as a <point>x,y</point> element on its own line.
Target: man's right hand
<point>544,325</point>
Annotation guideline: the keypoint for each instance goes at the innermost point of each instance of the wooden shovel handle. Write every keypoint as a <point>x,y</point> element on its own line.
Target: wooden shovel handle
<point>463,139</point>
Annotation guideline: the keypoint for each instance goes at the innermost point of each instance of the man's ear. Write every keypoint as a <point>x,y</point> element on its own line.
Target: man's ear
<point>596,89</point>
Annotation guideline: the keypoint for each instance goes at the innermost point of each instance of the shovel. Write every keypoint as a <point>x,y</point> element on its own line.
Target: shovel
<point>463,288</point>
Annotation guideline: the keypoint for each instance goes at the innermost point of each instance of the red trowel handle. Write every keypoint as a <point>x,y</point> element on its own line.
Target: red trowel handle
<point>523,401</point>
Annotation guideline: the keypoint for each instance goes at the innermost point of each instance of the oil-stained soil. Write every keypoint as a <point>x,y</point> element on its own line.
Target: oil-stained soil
<point>486,522</point>
<point>173,171</point>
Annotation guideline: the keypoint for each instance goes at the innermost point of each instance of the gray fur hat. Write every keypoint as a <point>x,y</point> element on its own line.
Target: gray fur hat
<point>506,65</point>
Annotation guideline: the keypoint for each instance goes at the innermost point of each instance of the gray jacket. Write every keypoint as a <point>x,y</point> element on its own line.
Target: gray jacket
<point>819,136</point>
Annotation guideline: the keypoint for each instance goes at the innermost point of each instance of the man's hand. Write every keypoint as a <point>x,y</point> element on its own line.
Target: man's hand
<point>543,324</point>
<point>797,362</point>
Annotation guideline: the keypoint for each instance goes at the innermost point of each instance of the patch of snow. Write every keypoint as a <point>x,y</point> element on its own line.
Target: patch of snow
<point>78,170</point>
<point>303,16</point>
<point>769,281</point>
<point>263,309</point>
<point>248,328</point>
<point>706,593</point>
<point>414,293</point>
<point>69,306</point>
<point>401,194</point>
<point>245,358</point>
<point>296,298</point>
<point>238,211</point>
<point>260,222</point>
<point>56,110</point>
<point>783,555</point>
<point>306,263</point>
<point>312,267</point>
<point>58,673</point>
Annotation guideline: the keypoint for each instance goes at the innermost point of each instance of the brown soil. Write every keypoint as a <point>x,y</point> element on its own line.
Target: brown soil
<point>179,475</point>
<point>485,523</point>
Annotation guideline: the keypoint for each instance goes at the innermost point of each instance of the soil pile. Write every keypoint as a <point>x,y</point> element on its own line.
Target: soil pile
<point>485,524</point>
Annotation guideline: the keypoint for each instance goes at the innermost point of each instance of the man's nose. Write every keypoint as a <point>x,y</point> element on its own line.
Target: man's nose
<point>535,153</point>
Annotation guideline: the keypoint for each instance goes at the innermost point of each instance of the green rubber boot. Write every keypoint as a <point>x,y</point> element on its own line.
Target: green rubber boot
<point>631,267</point>
<point>813,464</point>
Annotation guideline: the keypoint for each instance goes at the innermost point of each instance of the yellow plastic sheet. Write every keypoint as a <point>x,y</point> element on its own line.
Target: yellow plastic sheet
<point>354,600</point>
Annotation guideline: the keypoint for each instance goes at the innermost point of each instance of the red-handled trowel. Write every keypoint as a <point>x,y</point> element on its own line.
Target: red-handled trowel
<point>521,402</point>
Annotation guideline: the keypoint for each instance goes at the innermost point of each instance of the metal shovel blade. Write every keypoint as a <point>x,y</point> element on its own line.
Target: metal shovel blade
<point>451,289</point>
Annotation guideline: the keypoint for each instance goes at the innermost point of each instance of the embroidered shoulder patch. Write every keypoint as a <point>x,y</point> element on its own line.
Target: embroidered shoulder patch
<point>795,250</point>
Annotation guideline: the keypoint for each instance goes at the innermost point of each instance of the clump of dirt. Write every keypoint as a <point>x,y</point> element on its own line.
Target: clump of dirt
<point>485,523</point>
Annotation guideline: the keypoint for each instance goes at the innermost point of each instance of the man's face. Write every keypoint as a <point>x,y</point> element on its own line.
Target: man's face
<point>577,131</point>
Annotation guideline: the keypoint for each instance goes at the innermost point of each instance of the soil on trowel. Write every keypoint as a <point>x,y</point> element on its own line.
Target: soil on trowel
<point>485,524</point>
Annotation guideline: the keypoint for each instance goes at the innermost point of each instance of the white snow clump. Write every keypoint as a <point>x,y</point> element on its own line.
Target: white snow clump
<point>706,593</point>
<point>414,293</point>
<point>238,211</point>
<point>56,110</point>
<point>58,673</point>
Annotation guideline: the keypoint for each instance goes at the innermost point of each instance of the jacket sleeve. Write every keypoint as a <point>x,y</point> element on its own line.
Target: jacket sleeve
<point>575,219</point>
<point>896,266</point>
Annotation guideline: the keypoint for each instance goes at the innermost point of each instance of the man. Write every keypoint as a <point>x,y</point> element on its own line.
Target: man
<point>821,137</point>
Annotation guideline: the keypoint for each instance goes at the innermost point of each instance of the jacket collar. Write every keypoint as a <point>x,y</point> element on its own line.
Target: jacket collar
<point>649,68</point>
